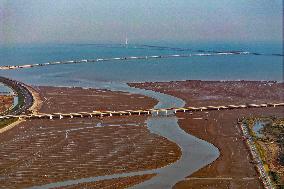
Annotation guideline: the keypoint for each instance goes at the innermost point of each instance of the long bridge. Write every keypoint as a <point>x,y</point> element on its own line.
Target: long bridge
<point>138,112</point>
<point>11,67</point>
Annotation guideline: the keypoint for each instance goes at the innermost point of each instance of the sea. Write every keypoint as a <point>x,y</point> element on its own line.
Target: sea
<point>266,62</point>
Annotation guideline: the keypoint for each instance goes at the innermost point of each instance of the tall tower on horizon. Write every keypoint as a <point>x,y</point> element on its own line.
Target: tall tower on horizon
<point>126,41</point>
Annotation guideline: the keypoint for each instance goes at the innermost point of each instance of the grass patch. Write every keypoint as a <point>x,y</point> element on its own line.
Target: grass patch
<point>273,133</point>
<point>261,151</point>
<point>21,101</point>
<point>5,122</point>
<point>276,178</point>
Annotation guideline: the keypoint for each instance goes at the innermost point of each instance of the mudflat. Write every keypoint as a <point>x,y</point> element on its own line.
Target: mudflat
<point>76,99</point>
<point>234,167</point>
<point>38,152</point>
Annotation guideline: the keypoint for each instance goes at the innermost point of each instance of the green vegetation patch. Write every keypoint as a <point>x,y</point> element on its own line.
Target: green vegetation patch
<point>21,101</point>
<point>276,178</point>
<point>272,133</point>
<point>5,122</point>
<point>275,133</point>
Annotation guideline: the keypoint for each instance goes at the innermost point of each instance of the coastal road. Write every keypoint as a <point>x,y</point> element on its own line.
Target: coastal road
<point>25,98</point>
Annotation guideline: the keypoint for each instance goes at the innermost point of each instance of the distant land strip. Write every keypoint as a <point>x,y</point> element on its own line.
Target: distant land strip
<point>180,49</point>
<point>213,53</point>
<point>168,111</point>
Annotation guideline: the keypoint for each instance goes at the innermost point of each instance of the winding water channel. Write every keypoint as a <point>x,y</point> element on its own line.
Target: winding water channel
<point>196,153</point>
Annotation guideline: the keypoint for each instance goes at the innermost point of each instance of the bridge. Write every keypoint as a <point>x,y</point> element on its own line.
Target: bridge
<point>166,111</point>
<point>11,67</point>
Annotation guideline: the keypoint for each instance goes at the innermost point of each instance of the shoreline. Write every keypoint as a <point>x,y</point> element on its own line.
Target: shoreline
<point>129,135</point>
<point>29,93</point>
<point>219,128</point>
<point>25,98</point>
<point>259,166</point>
<point>37,101</point>
<point>208,126</point>
<point>268,147</point>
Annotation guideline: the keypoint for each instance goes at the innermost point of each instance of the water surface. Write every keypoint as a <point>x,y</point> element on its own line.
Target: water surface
<point>235,67</point>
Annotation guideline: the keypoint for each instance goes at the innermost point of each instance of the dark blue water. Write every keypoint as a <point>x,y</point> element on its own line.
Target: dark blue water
<point>230,67</point>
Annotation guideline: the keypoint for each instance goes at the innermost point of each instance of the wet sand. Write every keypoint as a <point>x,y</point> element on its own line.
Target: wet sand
<point>201,93</point>
<point>38,152</point>
<point>112,183</point>
<point>37,100</point>
<point>234,168</point>
<point>65,100</point>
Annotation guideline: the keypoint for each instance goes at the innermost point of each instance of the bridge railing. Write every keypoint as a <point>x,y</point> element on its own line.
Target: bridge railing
<point>164,111</point>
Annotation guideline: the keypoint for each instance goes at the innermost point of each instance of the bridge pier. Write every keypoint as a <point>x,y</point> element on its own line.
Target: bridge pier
<point>136,112</point>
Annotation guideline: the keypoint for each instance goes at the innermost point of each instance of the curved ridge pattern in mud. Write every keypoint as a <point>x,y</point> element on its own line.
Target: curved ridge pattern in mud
<point>196,153</point>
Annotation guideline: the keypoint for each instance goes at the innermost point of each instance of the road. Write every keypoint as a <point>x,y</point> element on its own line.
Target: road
<point>25,98</point>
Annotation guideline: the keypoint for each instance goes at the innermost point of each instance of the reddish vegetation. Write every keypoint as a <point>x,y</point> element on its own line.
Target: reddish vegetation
<point>234,168</point>
<point>5,102</point>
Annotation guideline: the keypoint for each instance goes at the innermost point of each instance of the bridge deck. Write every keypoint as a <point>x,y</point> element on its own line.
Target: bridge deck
<point>136,112</point>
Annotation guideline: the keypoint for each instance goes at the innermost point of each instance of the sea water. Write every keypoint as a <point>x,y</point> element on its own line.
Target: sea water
<point>222,67</point>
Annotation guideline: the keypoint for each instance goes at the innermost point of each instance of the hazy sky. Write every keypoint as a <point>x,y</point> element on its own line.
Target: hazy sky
<point>41,21</point>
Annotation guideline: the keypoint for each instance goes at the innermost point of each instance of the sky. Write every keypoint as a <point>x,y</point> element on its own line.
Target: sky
<point>111,21</point>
